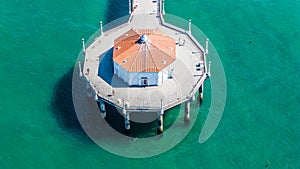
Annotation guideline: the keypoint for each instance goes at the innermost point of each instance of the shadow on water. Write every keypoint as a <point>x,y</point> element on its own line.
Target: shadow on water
<point>63,109</point>
<point>62,101</point>
<point>64,112</point>
<point>138,130</point>
<point>142,129</point>
<point>116,9</point>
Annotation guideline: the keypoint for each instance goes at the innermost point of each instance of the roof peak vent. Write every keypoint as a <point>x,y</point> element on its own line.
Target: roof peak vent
<point>144,38</point>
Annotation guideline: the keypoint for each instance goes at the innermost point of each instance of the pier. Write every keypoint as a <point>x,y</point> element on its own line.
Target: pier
<point>188,74</point>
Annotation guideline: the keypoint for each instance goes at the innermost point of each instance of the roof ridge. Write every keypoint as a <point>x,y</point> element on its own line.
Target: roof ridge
<point>136,54</point>
<point>145,55</point>
<point>162,50</point>
<point>152,57</point>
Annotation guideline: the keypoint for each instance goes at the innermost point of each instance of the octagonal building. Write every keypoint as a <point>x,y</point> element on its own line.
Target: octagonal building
<point>144,57</point>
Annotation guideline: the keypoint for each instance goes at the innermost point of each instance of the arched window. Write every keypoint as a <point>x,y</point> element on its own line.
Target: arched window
<point>144,81</point>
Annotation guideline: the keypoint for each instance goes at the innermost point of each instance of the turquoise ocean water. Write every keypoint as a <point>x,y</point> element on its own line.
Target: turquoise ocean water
<point>257,41</point>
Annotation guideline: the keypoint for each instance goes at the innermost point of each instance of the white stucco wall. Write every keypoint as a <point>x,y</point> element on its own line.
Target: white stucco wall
<point>134,78</point>
<point>164,74</point>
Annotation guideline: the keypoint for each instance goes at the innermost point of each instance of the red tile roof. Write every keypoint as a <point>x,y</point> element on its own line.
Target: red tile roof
<point>153,56</point>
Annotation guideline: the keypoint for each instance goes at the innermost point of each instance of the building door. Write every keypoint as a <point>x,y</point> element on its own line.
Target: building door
<point>144,81</point>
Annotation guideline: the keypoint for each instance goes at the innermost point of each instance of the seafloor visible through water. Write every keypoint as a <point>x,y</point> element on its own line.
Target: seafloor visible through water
<point>258,43</point>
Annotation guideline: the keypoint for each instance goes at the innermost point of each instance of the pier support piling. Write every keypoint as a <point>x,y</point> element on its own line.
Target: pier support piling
<point>163,7</point>
<point>102,108</point>
<point>190,25</point>
<point>83,46</point>
<point>200,96</point>
<point>187,109</point>
<point>126,120</point>
<point>160,122</point>
<point>101,28</point>
<point>80,69</point>
<point>193,98</point>
<point>126,117</point>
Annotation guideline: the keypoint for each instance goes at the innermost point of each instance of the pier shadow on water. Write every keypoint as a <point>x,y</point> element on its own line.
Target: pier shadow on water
<point>62,101</point>
<point>63,109</point>
<point>139,130</point>
<point>116,9</point>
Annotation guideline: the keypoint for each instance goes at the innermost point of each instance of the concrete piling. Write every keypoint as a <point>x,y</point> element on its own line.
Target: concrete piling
<point>102,108</point>
<point>126,117</point>
<point>101,28</point>
<point>163,7</point>
<point>200,96</point>
<point>126,120</point>
<point>190,25</point>
<point>187,108</point>
<point>80,69</point>
<point>83,45</point>
<point>160,122</point>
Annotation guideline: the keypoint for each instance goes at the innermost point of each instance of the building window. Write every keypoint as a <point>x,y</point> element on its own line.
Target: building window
<point>144,81</point>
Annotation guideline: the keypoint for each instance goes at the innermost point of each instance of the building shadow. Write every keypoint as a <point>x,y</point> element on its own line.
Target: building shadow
<point>106,67</point>
<point>106,70</point>
<point>63,109</point>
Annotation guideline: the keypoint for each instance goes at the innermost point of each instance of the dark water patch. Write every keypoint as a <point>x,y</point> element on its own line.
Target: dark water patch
<point>114,118</point>
<point>139,130</point>
<point>63,108</point>
<point>116,9</point>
